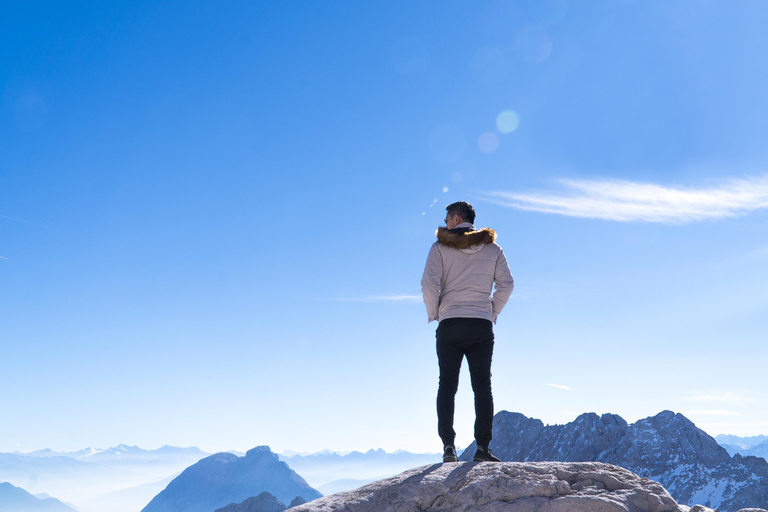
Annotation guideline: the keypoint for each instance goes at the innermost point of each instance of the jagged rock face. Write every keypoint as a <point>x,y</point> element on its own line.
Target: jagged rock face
<point>298,500</point>
<point>224,478</point>
<point>667,448</point>
<point>508,487</point>
<point>264,502</point>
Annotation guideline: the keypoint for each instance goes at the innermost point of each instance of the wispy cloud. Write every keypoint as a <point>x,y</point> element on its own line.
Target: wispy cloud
<point>627,201</point>
<point>711,412</point>
<point>559,386</point>
<point>719,397</point>
<point>383,298</point>
<point>24,221</point>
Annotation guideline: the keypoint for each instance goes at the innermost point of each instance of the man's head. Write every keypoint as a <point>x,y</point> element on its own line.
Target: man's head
<point>459,212</point>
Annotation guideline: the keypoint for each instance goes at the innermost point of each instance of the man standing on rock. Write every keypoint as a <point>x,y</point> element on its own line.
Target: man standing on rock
<point>462,267</point>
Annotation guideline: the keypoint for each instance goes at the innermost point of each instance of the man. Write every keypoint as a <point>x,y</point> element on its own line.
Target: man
<point>462,267</point>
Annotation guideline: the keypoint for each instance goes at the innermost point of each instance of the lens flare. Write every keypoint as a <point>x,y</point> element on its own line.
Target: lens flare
<point>507,121</point>
<point>445,189</point>
<point>488,142</point>
<point>532,43</point>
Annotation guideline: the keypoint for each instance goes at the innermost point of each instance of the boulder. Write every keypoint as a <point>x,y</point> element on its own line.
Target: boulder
<point>508,487</point>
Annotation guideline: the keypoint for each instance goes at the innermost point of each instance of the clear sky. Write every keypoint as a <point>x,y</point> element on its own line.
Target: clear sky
<point>214,216</point>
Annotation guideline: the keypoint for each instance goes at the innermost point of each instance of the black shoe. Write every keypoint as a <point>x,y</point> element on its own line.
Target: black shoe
<point>449,453</point>
<point>483,454</point>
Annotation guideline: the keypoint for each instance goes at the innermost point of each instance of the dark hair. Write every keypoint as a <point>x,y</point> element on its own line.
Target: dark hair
<point>463,209</point>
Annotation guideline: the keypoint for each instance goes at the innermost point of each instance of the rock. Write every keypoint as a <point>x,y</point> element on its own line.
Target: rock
<point>298,500</point>
<point>667,447</point>
<point>264,502</point>
<point>506,486</point>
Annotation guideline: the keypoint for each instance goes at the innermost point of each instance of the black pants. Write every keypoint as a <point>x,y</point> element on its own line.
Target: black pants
<point>473,338</point>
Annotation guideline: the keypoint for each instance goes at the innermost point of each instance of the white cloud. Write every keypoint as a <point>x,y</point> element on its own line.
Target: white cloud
<point>559,386</point>
<point>627,201</point>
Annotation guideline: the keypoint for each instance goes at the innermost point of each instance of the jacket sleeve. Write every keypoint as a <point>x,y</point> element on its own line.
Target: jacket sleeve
<point>430,282</point>
<point>504,282</point>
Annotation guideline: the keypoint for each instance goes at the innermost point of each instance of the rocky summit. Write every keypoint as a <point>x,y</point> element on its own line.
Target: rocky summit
<point>667,448</point>
<point>507,487</point>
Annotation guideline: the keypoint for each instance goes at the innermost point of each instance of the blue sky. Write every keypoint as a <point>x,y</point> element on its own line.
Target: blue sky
<point>214,219</point>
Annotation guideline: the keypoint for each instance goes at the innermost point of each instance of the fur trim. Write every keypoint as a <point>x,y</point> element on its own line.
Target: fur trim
<point>464,240</point>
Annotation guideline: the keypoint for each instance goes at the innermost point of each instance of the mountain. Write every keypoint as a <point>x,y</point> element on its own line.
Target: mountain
<point>346,471</point>
<point>88,477</point>
<point>508,487</point>
<point>224,478</point>
<point>16,499</point>
<point>761,450</point>
<point>745,443</point>
<point>121,453</point>
<point>756,446</point>
<point>264,502</point>
<point>667,448</point>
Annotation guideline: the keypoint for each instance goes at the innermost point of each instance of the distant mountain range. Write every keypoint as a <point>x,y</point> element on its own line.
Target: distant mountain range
<point>756,446</point>
<point>89,477</point>
<point>744,443</point>
<point>15,499</point>
<point>121,452</point>
<point>222,479</point>
<point>332,472</point>
<point>667,448</point>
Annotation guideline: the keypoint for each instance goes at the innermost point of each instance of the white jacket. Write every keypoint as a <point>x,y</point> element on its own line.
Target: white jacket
<point>462,267</point>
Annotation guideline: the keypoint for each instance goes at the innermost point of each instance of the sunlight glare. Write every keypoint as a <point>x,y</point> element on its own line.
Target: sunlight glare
<point>488,142</point>
<point>507,121</point>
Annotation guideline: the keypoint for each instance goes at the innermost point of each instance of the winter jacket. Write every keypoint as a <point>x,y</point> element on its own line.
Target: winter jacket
<point>462,267</point>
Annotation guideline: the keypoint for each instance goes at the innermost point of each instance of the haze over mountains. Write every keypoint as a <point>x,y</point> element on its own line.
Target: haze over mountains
<point>756,446</point>
<point>15,499</point>
<point>666,447</point>
<point>331,472</point>
<point>88,477</point>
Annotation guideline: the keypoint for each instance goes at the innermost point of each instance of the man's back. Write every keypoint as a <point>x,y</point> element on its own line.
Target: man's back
<point>461,269</point>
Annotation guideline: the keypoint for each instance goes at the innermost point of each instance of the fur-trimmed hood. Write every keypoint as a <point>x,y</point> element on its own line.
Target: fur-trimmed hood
<point>466,239</point>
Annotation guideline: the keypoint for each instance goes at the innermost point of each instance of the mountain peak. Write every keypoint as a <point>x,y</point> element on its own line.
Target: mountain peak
<point>666,447</point>
<point>259,451</point>
<point>224,478</point>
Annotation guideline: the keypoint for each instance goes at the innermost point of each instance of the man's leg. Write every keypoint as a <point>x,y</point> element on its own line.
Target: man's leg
<point>479,356</point>
<point>449,359</point>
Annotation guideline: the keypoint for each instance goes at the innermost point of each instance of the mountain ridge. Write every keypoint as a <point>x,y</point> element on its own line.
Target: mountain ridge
<point>666,447</point>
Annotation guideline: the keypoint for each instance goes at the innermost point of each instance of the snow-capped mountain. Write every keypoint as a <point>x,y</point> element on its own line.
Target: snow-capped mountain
<point>667,448</point>
<point>121,452</point>
<point>744,443</point>
<point>746,447</point>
